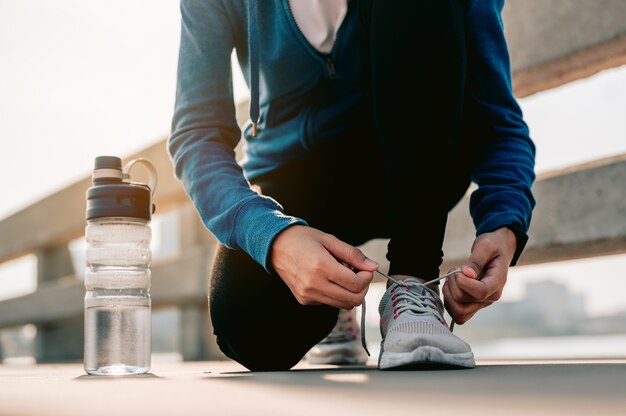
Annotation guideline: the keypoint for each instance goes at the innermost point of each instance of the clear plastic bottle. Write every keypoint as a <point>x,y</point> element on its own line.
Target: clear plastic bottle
<point>117,280</point>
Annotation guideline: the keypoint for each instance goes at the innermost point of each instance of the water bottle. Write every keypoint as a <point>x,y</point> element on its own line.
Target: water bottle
<point>117,279</point>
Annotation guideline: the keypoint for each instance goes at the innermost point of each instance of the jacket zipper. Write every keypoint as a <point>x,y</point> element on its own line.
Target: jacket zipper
<point>330,66</point>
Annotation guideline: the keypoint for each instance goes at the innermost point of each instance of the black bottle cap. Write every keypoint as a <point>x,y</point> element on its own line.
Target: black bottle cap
<point>108,162</point>
<point>111,197</point>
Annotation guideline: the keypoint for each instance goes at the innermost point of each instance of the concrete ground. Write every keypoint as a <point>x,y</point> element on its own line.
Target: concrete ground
<point>225,388</point>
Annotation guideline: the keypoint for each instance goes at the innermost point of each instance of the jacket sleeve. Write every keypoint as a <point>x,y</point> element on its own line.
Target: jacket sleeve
<point>205,133</point>
<point>504,171</point>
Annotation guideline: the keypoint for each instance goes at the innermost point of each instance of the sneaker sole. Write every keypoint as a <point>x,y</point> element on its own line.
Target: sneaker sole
<point>424,358</point>
<point>336,359</point>
<point>341,353</point>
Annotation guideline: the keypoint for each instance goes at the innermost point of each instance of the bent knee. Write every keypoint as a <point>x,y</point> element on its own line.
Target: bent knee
<point>255,357</point>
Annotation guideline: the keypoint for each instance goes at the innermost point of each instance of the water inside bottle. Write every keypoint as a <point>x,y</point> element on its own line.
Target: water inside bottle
<point>117,336</point>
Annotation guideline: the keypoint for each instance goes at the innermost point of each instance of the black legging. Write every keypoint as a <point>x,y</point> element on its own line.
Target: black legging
<point>257,320</point>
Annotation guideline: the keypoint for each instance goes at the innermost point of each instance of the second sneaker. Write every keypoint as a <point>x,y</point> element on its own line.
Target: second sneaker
<point>342,345</point>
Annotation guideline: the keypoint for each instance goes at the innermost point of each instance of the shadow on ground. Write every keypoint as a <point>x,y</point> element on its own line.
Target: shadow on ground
<point>588,380</point>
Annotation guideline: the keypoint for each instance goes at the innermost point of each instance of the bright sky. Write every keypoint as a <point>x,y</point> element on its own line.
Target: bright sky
<point>83,78</point>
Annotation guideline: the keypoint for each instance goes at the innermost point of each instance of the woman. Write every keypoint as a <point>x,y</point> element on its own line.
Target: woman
<point>358,108</point>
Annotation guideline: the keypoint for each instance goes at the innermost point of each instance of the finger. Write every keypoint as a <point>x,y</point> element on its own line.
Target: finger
<point>492,283</point>
<point>320,296</point>
<point>476,290</point>
<point>456,310</point>
<point>496,295</point>
<point>365,277</point>
<point>452,306</point>
<point>349,254</point>
<point>346,278</point>
<point>325,300</point>
<point>465,317</point>
<point>462,312</point>
<point>334,294</point>
<point>455,292</point>
<point>483,251</point>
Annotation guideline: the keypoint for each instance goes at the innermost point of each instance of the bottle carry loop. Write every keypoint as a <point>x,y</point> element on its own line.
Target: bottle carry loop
<point>152,173</point>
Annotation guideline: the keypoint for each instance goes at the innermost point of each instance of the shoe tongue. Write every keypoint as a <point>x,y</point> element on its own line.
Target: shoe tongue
<point>414,280</point>
<point>425,293</point>
<point>415,287</point>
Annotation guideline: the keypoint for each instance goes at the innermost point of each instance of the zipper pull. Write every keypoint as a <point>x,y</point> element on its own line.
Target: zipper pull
<point>330,66</point>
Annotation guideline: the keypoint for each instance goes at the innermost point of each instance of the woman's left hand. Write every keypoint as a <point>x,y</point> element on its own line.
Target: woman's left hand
<point>463,293</point>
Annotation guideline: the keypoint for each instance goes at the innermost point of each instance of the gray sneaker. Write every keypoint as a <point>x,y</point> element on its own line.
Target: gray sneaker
<point>415,335</point>
<point>342,345</point>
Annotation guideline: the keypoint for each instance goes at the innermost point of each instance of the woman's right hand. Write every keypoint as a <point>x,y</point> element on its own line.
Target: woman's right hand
<point>321,269</point>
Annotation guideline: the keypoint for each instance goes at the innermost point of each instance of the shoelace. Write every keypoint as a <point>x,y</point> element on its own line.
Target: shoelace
<point>417,304</point>
<point>420,303</point>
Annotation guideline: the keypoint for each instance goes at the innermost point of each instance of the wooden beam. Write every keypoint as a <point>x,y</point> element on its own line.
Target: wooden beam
<point>177,282</point>
<point>555,42</point>
<point>580,212</point>
<point>577,65</point>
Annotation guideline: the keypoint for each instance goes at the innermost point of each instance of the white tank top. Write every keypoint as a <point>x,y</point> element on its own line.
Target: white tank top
<point>319,20</point>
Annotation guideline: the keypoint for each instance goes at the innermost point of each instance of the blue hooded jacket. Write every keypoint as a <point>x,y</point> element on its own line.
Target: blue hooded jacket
<point>287,76</point>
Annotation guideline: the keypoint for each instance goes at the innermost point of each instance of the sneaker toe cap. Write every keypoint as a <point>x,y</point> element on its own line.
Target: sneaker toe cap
<point>404,342</point>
